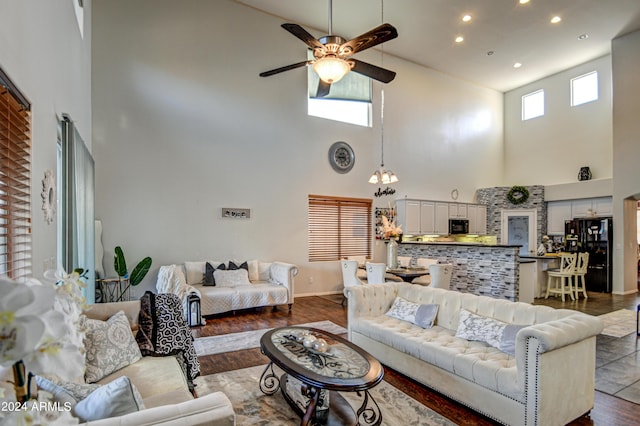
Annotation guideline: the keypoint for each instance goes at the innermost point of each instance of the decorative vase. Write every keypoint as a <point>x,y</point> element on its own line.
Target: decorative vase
<point>392,254</point>
<point>584,174</point>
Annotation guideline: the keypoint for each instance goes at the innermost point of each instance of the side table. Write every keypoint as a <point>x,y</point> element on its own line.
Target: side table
<point>114,289</point>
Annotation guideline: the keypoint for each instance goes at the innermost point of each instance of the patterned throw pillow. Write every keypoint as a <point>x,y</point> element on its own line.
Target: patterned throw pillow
<point>232,278</point>
<point>209,279</point>
<point>498,334</point>
<point>116,398</point>
<point>423,315</point>
<point>109,346</point>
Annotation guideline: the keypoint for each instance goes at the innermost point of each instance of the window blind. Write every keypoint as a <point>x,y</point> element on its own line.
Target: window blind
<point>15,185</point>
<point>339,227</point>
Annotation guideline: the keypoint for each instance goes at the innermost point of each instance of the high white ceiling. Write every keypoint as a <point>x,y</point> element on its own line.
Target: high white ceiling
<point>513,32</point>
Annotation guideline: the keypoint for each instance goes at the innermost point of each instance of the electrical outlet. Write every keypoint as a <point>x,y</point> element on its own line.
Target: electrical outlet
<point>310,280</point>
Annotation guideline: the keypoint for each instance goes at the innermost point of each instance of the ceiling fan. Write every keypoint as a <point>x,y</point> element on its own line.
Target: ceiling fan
<point>332,55</point>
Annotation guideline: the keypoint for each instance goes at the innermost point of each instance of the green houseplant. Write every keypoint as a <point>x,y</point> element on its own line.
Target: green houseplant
<point>138,273</point>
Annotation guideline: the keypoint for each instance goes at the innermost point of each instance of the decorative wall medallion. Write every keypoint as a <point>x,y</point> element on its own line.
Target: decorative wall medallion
<point>48,196</point>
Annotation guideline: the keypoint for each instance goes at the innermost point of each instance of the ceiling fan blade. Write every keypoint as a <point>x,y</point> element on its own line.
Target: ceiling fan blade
<point>285,68</point>
<point>372,71</point>
<point>303,35</point>
<point>378,35</point>
<point>323,89</point>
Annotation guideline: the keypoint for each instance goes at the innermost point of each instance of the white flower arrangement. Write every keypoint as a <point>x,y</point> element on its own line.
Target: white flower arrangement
<point>389,229</point>
<point>40,334</point>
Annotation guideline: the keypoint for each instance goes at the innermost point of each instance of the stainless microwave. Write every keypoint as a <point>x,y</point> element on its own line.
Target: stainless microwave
<point>458,226</point>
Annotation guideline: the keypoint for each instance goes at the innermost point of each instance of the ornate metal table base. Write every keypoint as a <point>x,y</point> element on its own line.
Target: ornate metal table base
<point>338,412</point>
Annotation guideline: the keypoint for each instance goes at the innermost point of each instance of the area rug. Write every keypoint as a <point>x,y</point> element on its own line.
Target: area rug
<point>252,407</point>
<point>249,339</point>
<point>619,323</point>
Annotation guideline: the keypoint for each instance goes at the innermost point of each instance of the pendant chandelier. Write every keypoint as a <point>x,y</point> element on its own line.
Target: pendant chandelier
<point>382,175</point>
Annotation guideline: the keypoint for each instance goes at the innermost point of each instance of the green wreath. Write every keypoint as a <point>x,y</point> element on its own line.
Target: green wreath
<point>518,195</point>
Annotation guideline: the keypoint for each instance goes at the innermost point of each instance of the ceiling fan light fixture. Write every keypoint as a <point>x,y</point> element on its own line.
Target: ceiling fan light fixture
<point>331,69</point>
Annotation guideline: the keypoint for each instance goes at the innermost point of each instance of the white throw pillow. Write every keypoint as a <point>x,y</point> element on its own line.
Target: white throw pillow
<point>109,346</point>
<point>194,272</point>
<point>423,315</point>
<point>264,271</point>
<point>500,335</point>
<point>232,278</point>
<point>116,398</point>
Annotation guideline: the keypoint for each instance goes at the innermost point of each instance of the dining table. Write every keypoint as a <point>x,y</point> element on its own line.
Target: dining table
<point>408,274</point>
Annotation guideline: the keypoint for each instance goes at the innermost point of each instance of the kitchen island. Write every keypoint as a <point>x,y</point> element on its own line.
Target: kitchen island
<point>482,269</point>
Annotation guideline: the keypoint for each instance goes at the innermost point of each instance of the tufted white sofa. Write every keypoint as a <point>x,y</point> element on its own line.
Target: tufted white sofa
<point>549,381</point>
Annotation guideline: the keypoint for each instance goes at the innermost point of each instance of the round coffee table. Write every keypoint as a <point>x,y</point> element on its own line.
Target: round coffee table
<point>312,378</point>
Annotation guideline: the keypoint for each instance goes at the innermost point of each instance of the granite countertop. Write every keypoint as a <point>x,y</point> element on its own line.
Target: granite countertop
<point>455,243</point>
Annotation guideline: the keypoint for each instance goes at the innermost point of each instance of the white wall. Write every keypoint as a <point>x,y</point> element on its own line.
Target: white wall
<point>551,149</point>
<point>42,52</point>
<point>183,126</point>
<point>626,173</point>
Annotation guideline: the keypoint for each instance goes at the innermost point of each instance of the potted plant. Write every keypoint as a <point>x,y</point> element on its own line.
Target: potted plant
<point>136,275</point>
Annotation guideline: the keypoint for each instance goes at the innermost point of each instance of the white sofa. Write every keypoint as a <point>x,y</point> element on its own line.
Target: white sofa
<point>549,381</point>
<point>270,284</point>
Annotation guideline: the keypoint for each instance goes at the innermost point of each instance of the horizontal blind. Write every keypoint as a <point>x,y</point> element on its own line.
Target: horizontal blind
<point>15,187</point>
<point>338,227</point>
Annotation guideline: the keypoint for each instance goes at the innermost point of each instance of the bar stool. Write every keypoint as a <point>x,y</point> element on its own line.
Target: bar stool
<point>563,276</point>
<point>579,273</point>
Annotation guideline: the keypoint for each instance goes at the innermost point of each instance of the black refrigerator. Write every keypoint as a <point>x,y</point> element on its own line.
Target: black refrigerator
<point>593,235</point>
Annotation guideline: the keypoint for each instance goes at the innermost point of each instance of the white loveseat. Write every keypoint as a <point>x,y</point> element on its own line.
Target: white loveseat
<point>269,284</point>
<point>549,380</point>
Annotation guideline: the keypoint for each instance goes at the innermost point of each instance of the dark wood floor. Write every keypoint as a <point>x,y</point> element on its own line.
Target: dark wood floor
<point>608,410</point>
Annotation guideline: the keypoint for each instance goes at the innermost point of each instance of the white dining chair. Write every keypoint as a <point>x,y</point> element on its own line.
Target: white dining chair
<point>349,276</point>
<point>562,276</point>
<point>362,260</point>
<point>441,275</point>
<point>404,261</point>
<point>579,272</point>
<point>376,273</point>
<point>424,262</point>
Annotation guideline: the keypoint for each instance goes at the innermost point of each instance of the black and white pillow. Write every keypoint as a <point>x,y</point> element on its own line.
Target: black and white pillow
<point>209,280</point>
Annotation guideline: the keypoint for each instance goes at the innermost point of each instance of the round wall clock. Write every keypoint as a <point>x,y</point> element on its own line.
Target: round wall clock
<point>341,157</point>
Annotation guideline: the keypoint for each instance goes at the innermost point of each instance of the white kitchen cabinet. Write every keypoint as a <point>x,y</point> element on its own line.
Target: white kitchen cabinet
<point>602,206</point>
<point>557,213</point>
<point>457,211</point>
<point>581,208</point>
<point>590,207</point>
<point>427,217</point>
<point>477,215</point>
<point>408,215</point>
<point>442,219</point>
<point>560,211</point>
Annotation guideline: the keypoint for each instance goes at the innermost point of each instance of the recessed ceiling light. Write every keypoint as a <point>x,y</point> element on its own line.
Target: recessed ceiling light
<point>459,39</point>
<point>556,19</point>
<point>524,1</point>
<point>466,18</point>
<point>583,36</point>
<point>517,65</point>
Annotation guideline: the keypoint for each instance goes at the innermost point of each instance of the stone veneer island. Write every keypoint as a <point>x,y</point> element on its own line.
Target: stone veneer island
<point>481,269</point>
